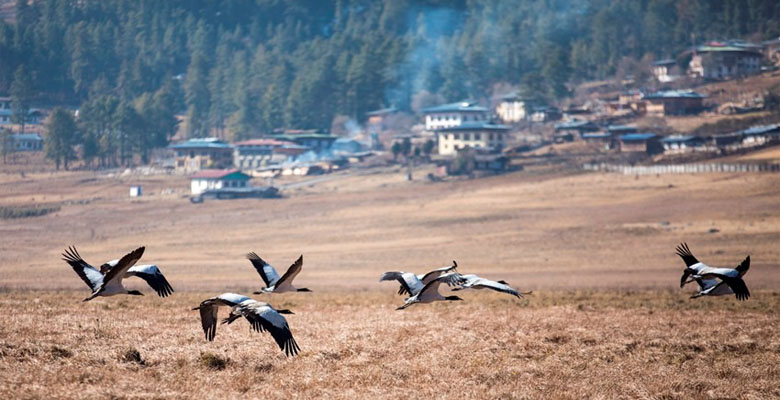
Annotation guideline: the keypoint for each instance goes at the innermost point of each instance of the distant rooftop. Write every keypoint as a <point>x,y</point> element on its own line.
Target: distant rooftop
<point>621,128</point>
<point>26,136</point>
<point>462,106</point>
<point>263,142</point>
<point>199,143</point>
<point>475,126</point>
<point>760,130</point>
<point>675,94</point>
<point>219,174</point>
<point>383,111</point>
<point>667,61</point>
<point>679,138</point>
<point>729,46</point>
<point>637,137</point>
<point>575,124</point>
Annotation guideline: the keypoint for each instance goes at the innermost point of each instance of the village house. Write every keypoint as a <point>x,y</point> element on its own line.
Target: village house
<point>26,142</point>
<point>664,70</point>
<point>450,115</point>
<point>676,144</point>
<point>317,141</point>
<point>256,153</point>
<point>513,108</point>
<point>640,142</point>
<point>772,51</point>
<point>34,116</point>
<point>674,102</point>
<point>572,129</point>
<point>216,179</point>
<point>724,60</point>
<point>202,153</point>
<point>758,135</point>
<point>475,135</point>
<point>544,114</point>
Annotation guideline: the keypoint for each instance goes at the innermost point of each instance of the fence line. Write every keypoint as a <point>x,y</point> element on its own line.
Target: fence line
<point>681,168</point>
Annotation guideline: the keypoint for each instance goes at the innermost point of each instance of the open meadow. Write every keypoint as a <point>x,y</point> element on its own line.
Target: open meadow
<point>606,320</point>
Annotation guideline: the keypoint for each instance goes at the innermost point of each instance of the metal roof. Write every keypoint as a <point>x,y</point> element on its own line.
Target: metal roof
<point>383,111</point>
<point>680,138</point>
<point>473,126</point>
<point>200,143</point>
<point>574,124</point>
<point>668,61</point>
<point>674,94</point>
<point>462,106</point>
<point>760,130</point>
<point>637,137</point>
<point>219,174</point>
<point>26,136</point>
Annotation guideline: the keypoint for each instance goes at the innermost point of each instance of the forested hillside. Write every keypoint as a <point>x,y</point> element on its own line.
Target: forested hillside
<point>245,67</point>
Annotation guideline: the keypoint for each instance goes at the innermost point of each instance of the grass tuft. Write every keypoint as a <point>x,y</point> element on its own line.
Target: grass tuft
<point>213,361</point>
<point>60,352</point>
<point>131,355</point>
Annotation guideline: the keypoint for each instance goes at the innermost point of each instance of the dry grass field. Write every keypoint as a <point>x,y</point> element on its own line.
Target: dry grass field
<point>606,320</point>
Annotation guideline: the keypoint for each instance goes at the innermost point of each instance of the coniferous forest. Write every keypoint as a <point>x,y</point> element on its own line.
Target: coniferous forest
<point>242,68</point>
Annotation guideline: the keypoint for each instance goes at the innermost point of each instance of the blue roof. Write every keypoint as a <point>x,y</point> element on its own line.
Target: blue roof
<point>595,135</point>
<point>200,143</point>
<point>680,138</point>
<point>26,136</point>
<point>461,106</point>
<point>637,137</point>
<point>473,126</point>
<point>674,94</point>
<point>760,130</point>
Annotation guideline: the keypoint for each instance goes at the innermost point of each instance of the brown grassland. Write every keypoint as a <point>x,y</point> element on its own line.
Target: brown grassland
<point>606,320</point>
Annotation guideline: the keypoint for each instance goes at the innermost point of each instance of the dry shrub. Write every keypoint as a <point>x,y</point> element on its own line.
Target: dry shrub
<point>131,355</point>
<point>213,361</point>
<point>60,352</point>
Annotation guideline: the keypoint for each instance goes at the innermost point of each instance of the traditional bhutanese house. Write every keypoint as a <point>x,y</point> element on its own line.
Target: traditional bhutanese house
<point>475,135</point>
<point>256,153</point>
<point>681,143</point>
<point>759,135</point>
<point>640,142</point>
<point>545,113</point>
<point>728,140</point>
<point>565,130</point>
<point>772,50</point>
<point>662,70</point>
<point>317,141</point>
<point>513,108</point>
<point>217,179</point>
<point>454,114</point>
<point>674,102</point>
<point>202,153</point>
<point>722,60</point>
<point>26,142</point>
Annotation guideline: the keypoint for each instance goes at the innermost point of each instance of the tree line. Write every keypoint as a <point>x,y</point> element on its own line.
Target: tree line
<point>242,68</point>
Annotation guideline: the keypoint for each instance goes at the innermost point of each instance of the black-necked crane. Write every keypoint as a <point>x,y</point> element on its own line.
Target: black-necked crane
<point>261,316</point>
<point>411,284</point>
<point>430,292</point>
<point>273,283</point>
<point>108,280</point>
<point>712,280</point>
<point>476,282</point>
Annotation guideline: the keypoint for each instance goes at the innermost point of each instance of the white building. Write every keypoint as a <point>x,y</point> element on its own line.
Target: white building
<point>217,179</point>
<point>662,70</point>
<point>725,60</point>
<point>475,135</point>
<point>449,115</point>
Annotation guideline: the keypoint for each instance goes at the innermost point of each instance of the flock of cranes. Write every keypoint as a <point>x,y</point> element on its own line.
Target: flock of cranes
<point>107,281</point>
